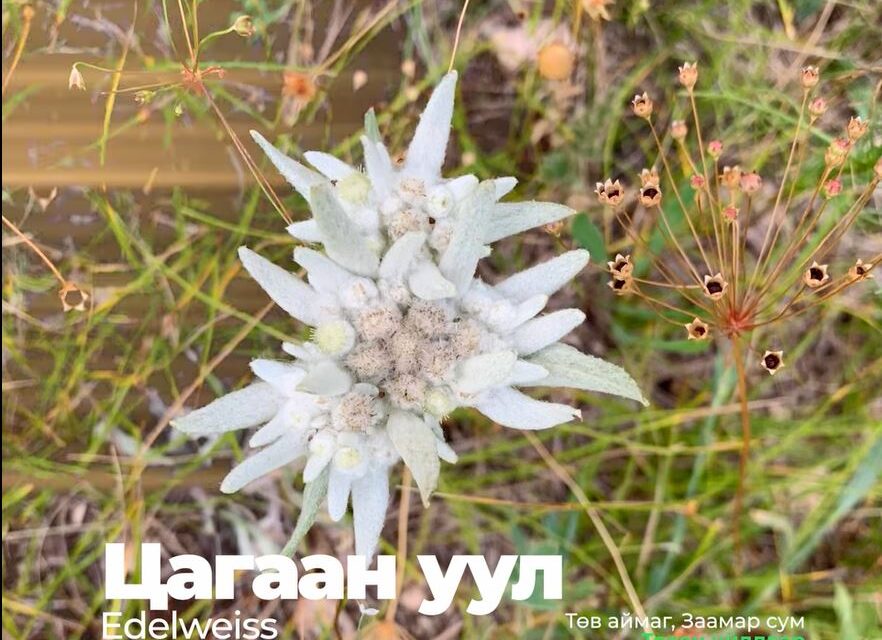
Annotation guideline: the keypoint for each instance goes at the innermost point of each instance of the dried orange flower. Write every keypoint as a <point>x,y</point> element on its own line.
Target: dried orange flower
<point>642,105</point>
<point>621,284</point>
<point>649,177</point>
<point>715,286</point>
<point>688,74</point>
<point>810,76</point>
<point>72,297</point>
<point>697,329</point>
<point>832,188</point>
<point>299,86</point>
<point>816,275</point>
<point>730,213</point>
<point>650,195</point>
<point>773,361</point>
<point>856,128</point>
<point>621,266</point>
<point>731,177</point>
<point>860,270</point>
<point>610,193</point>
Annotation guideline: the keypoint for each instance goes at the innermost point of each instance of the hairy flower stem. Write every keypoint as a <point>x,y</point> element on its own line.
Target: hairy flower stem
<point>738,355</point>
<point>403,514</point>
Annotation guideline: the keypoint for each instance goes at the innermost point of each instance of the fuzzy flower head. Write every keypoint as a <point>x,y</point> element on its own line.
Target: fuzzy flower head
<point>403,332</point>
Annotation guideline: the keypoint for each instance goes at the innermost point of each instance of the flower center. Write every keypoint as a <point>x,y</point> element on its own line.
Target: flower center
<point>413,356</point>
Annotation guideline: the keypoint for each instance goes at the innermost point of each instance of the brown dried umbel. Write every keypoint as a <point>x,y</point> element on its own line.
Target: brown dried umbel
<point>745,253</point>
<point>734,285</point>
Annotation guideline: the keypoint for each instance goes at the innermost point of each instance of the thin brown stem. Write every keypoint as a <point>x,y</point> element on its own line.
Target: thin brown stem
<point>37,250</point>
<point>738,353</point>
<point>27,15</point>
<point>596,520</point>
<point>401,554</point>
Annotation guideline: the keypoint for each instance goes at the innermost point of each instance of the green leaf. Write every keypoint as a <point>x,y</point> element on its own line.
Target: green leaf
<point>569,367</point>
<point>313,494</point>
<point>589,237</point>
<point>844,606</point>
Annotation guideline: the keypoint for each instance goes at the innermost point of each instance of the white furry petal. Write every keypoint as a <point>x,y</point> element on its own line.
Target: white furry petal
<point>512,408</point>
<point>267,460</point>
<point>540,332</point>
<point>288,291</point>
<point>240,409</point>
<point>299,177</point>
<point>370,500</point>
<point>545,278</point>
<point>426,152</point>
<point>332,168</point>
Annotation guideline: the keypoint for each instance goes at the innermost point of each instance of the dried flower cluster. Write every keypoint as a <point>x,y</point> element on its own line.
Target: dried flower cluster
<point>726,280</point>
<point>403,332</point>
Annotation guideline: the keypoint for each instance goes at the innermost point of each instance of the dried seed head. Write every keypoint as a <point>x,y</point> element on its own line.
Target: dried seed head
<point>688,74</point>
<point>697,181</point>
<point>621,284</point>
<point>621,266</point>
<point>642,106</point>
<point>715,286</point>
<point>817,108</point>
<point>731,177</point>
<point>72,297</point>
<point>832,188</point>
<point>836,152</point>
<point>650,195</point>
<point>860,270</point>
<point>697,330</point>
<point>244,26</point>
<point>649,177</point>
<point>715,149</point>
<point>730,213</point>
<point>772,361</point>
<point>75,80</point>
<point>610,193</point>
<point>751,182</point>
<point>810,76</point>
<point>856,128</point>
<point>556,61</point>
<point>816,275</point>
<point>679,130</point>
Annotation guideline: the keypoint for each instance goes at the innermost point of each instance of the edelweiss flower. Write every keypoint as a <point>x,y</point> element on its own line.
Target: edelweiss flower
<point>403,331</point>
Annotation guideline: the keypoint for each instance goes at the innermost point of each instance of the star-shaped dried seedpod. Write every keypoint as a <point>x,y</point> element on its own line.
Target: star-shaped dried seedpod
<point>816,275</point>
<point>697,330</point>
<point>403,332</point>
<point>773,361</point>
